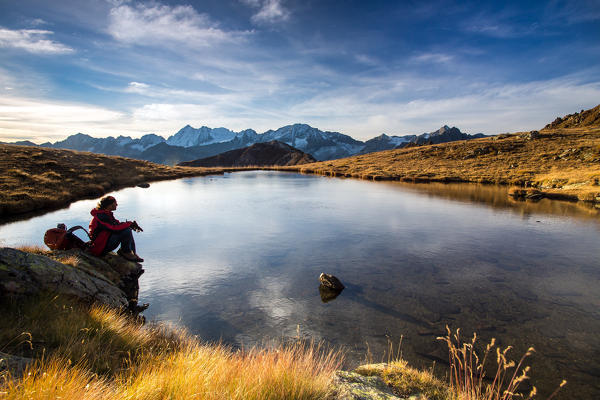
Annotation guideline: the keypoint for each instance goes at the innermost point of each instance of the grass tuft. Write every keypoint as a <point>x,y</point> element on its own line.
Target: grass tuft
<point>468,371</point>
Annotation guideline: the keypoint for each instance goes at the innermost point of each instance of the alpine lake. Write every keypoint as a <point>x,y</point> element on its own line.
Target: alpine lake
<point>236,258</point>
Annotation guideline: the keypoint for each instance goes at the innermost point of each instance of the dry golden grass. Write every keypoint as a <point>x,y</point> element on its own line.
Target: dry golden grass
<point>468,369</point>
<point>563,162</point>
<point>407,381</point>
<point>85,352</point>
<point>33,178</point>
<point>97,353</point>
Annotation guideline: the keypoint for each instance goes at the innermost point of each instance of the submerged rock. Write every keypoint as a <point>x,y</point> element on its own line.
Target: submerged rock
<point>327,294</point>
<point>111,280</point>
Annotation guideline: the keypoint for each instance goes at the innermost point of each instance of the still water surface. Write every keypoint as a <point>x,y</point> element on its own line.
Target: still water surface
<point>237,258</point>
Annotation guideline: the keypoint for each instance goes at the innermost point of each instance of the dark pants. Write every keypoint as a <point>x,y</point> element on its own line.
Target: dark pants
<point>124,238</point>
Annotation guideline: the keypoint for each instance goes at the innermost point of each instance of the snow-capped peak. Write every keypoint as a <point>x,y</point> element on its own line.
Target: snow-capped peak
<point>189,136</point>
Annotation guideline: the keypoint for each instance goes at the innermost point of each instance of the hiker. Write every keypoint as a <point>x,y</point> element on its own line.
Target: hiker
<point>107,233</point>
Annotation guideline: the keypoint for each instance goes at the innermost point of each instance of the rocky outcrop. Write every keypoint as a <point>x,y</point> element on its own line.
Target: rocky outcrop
<point>110,280</point>
<point>354,386</point>
<point>368,382</point>
<point>584,118</point>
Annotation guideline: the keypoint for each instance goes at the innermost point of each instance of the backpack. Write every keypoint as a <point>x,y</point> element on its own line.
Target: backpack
<point>61,238</point>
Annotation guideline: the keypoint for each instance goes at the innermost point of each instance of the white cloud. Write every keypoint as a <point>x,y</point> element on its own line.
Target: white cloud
<point>503,108</point>
<point>38,22</point>
<point>137,87</point>
<point>170,94</point>
<point>32,40</point>
<point>501,26</point>
<point>153,24</point>
<point>269,11</point>
<point>40,120</point>
<point>439,58</point>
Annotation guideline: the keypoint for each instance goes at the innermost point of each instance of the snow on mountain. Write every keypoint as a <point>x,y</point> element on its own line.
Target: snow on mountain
<point>385,142</point>
<point>321,145</point>
<point>190,143</point>
<point>146,141</point>
<point>188,136</point>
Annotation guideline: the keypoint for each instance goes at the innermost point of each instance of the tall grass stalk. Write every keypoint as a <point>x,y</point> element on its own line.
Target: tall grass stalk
<point>467,376</point>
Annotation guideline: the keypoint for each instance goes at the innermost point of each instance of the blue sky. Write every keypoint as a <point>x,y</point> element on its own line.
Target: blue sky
<point>118,67</point>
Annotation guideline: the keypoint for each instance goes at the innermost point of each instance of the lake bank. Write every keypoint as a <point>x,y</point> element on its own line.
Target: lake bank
<point>561,163</point>
<point>37,179</point>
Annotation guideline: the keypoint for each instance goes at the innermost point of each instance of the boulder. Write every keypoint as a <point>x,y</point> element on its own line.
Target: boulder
<point>110,280</point>
<point>14,364</point>
<point>331,282</point>
<point>531,135</point>
<point>354,386</point>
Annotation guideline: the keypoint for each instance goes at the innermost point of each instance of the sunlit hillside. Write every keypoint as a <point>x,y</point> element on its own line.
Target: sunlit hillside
<point>564,162</point>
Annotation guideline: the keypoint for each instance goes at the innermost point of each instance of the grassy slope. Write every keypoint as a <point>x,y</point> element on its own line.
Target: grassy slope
<point>97,353</point>
<point>564,161</point>
<point>34,178</point>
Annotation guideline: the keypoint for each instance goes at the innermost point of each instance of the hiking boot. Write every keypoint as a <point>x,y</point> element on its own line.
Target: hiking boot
<point>129,255</point>
<point>138,258</point>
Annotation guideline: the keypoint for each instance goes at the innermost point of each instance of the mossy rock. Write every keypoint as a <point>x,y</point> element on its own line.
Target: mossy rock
<point>354,386</point>
<point>394,380</point>
<point>26,274</point>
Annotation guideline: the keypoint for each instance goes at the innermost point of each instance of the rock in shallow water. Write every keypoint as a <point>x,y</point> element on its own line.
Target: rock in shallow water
<point>331,282</point>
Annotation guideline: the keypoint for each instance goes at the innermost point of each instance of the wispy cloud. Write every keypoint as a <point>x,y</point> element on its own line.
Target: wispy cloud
<point>269,11</point>
<point>32,40</point>
<point>167,93</point>
<point>154,24</point>
<point>38,22</point>
<point>572,12</point>
<point>439,58</point>
<point>501,26</point>
<point>491,110</point>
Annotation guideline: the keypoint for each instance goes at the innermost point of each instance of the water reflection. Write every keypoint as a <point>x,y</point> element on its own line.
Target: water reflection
<point>238,257</point>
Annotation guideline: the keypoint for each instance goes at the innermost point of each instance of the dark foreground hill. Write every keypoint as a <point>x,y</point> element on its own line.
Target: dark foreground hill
<point>259,154</point>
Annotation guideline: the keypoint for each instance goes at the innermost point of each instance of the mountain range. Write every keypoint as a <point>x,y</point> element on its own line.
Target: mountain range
<point>191,144</point>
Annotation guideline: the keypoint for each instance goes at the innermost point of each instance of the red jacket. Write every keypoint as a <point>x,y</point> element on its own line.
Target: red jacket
<point>103,224</point>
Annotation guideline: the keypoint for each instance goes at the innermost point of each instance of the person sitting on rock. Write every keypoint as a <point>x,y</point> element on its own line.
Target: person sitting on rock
<point>107,233</point>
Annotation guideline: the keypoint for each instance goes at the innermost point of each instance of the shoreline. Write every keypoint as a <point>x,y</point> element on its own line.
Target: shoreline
<point>44,207</point>
<point>561,164</point>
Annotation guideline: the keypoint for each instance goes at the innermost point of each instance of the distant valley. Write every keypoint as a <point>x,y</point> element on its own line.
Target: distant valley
<point>196,143</point>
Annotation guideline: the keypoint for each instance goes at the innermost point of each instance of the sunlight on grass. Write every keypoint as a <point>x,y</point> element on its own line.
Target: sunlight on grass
<point>97,353</point>
<point>468,371</point>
